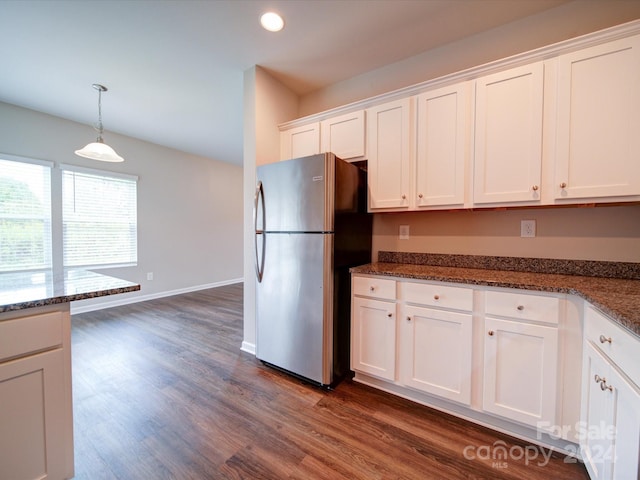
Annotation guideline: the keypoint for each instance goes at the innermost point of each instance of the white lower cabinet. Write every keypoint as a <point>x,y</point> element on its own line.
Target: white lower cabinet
<point>520,371</point>
<point>436,352</point>
<point>501,357</point>
<point>36,430</point>
<point>373,337</point>
<point>610,413</point>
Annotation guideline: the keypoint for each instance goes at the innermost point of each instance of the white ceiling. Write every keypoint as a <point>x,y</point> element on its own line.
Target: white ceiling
<point>174,68</point>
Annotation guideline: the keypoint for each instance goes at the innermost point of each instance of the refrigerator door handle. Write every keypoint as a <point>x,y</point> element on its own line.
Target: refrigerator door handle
<point>259,197</point>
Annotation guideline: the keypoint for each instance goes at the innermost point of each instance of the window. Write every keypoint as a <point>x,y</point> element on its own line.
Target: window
<point>99,218</point>
<point>25,214</point>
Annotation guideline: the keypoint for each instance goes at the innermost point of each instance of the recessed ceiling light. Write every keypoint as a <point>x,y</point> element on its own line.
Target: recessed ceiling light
<point>272,21</point>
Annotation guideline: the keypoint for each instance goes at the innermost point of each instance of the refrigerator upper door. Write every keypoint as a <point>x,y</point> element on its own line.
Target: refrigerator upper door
<point>298,194</point>
<point>294,312</point>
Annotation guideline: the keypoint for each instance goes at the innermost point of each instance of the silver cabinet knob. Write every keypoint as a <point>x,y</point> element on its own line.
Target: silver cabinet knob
<point>408,318</point>
<point>404,197</point>
<point>604,339</point>
<point>535,188</point>
<point>520,307</point>
<point>419,195</point>
<point>563,185</point>
<point>389,314</point>
<point>490,332</point>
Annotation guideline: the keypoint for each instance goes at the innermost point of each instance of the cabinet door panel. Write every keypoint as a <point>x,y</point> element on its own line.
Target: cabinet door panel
<point>598,145</point>
<point>508,146</point>
<point>373,337</point>
<point>441,146</point>
<point>344,136</point>
<point>437,352</point>
<point>388,149</point>
<point>300,141</point>
<point>520,371</point>
<point>32,428</point>
<point>597,410</point>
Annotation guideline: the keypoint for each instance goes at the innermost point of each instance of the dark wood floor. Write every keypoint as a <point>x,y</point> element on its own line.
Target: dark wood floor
<point>161,390</point>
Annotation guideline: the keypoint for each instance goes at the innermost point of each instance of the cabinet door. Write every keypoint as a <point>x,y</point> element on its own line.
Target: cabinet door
<point>520,368</point>
<point>33,418</point>
<point>610,441</point>
<point>436,352</point>
<point>344,136</point>
<point>442,146</point>
<point>373,337</point>
<point>598,145</point>
<point>300,141</point>
<point>596,412</point>
<point>508,139</point>
<point>388,148</point>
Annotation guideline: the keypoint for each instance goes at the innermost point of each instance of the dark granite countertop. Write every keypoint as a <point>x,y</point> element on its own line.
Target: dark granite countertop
<point>23,290</point>
<point>617,297</point>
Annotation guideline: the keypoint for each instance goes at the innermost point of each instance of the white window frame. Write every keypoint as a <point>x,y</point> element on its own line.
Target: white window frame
<point>47,239</point>
<point>96,263</point>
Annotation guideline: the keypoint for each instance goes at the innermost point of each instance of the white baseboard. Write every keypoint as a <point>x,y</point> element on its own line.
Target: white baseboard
<point>124,299</point>
<point>248,347</point>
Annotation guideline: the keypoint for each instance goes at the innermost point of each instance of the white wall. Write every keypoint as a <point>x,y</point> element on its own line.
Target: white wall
<point>551,26</point>
<point>266,104</point>
<point>189,207</point>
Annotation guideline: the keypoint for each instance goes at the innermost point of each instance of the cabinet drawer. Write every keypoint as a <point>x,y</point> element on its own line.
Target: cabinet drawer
<point>21,336</point>
<point>458,298</point>
<point>620,346</point>
<point>523,306</point>
<point>374,287</point>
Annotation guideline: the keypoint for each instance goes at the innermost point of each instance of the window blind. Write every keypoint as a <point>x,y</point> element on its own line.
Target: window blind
<point>25,215</point>
<point>99,219</point>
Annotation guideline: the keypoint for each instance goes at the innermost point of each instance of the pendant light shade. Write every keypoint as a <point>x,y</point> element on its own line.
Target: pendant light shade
<point>99,150</point>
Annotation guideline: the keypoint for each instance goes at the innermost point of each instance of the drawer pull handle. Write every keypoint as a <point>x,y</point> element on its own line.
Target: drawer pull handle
<point>490,332</point>
<point>372,288</point>
<point>419,195</point>
<point>535,188</point>
<point>563,185</point>
<point>436,297</point>
<point>604,386</point>
<point>520,307</point>
<point>408,318</point>
<point>389,314</point>
<point>604,339</point>
<point>603,383</point>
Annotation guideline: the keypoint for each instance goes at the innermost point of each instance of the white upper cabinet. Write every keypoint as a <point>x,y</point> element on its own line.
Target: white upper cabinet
<point>344,135</point>
<point>598,144</point>
<point>389,154</point>
<point>300,141</point>
<point>442,133</point>
<point>508,136</point>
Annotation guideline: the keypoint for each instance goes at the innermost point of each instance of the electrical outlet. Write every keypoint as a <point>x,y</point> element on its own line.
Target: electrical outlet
<point>528,228</point>
<point>403,233</point>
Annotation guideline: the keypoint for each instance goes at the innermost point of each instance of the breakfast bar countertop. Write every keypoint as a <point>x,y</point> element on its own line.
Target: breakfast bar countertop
<point>23,290</point>
<point>619,298</point>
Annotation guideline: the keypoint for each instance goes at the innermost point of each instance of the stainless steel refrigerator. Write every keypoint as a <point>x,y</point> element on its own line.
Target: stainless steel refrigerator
<point>311,226</point>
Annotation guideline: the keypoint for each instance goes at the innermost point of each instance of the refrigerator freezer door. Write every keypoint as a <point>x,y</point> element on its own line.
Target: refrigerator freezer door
<point>298,194</point>
<point>294,312</point>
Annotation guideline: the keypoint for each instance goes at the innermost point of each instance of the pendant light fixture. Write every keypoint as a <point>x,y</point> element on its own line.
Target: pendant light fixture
<point>99,150</point>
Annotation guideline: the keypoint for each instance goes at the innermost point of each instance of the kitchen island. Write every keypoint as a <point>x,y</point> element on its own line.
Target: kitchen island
<point>36,419</point>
